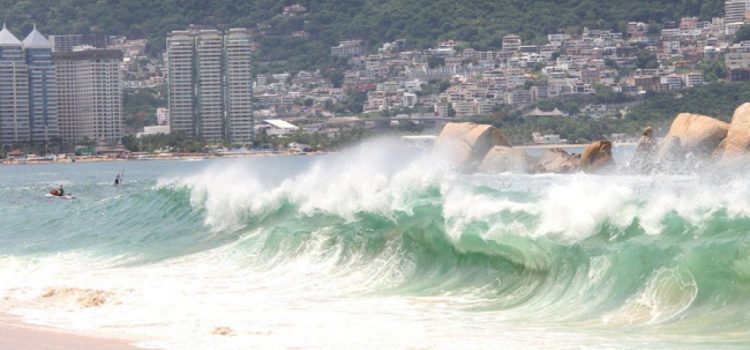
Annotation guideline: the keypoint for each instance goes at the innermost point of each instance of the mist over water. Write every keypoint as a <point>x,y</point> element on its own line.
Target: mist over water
<point>380,246</point>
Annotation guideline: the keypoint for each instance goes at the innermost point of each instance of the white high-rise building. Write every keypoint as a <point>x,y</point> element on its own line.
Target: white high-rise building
<point>240,125</point>
<point>209,77</point>
<point>209,60</point>
<point>89,95</point>
<point>181,96</point>
<point>14,91</point>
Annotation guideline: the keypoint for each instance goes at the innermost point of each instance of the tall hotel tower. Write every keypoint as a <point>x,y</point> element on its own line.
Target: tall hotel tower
<point>210,84</point>
<point>14,91</point>
<point>42,87</point>
<point>90,98</point>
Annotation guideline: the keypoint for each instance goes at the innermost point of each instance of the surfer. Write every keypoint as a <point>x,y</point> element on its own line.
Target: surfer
<point>57,192</point>
<point>118,177</point>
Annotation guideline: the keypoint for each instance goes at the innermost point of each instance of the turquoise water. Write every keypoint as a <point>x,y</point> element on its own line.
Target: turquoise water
<point>381,246</point>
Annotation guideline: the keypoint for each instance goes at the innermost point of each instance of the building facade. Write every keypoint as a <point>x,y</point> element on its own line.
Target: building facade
<point>42,88</point>
<point>210,77</point>
<point>240,122</point>
<point>89,95</point>
<point>734,10</point>
<point>14,91</point>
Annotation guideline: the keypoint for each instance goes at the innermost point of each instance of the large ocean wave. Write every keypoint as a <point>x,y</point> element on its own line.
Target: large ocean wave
<point>617,260</point>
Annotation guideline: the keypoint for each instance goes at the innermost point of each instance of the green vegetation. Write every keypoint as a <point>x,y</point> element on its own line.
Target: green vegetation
<point>139,108</point>
<point>177,142</point>
<point>742,34</point>
<point>480,24</point>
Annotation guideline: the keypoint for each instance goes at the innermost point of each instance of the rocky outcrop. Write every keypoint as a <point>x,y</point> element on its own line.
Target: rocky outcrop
<point>466,144</point>
<point>597,157</point>
<point>556,160</point>
<point>501,159</point>
<point>737,142</point>
<point>644,158</point>
<point>694,134</point>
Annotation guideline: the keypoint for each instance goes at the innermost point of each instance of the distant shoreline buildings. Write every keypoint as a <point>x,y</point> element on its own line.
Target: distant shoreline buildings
<point>46,95</point>
<point>210,84</point>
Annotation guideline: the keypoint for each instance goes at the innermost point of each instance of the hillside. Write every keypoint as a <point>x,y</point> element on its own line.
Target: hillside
<point>480,23</point>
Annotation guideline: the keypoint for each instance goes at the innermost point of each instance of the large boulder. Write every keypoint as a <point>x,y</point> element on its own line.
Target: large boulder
<point>644,157</point>
<point>737,142</point>
<point>597,156</point>
<point>465,144</point>
<point>501,159</point>
<point>556,160</point>
<point>694,134</point>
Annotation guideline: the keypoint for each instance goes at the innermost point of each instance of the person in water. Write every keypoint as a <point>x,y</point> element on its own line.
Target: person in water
<point>117,179</point>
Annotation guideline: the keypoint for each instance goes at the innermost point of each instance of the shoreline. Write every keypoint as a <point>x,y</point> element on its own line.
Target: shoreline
<point>156,156</point>
<point>18,335</point>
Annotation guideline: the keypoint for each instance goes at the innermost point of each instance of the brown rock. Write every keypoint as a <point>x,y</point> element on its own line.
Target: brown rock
<point>692,133</point>
<point>556,160</point>
<point>597,156</point>
<point>467,143</point>
<point>501,159</point>
<point>737,142</point>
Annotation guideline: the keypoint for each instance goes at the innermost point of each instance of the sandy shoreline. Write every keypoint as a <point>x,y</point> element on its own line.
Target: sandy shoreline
<point>155,156</point>
<point>16,335</point>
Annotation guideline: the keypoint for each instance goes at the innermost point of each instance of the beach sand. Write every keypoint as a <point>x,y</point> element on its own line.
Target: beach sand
<point>15,335</point>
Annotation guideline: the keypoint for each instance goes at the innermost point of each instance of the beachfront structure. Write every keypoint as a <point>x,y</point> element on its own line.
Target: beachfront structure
<point>89,95</point>
<point>43,117</point>
<point>209,77</point>
<point>14,91</point>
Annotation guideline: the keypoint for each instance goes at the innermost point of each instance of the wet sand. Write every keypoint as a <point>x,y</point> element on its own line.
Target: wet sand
<point>15,335</point>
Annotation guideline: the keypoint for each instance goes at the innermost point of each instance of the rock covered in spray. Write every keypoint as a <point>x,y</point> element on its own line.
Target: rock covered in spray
<point>556,160</point>
<point>501,159</point>
<point>694,134</point>
<point>466,144</point>
<point>737,142</point>
<point>644,157</point>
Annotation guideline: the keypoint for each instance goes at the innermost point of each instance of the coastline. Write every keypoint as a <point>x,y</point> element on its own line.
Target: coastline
<point>157,156</point>
<point>17,335</point>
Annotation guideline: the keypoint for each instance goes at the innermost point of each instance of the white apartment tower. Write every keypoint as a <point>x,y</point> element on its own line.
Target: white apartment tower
<point>210,89</point>
<point>180,53</point>
<point>14,91</point>
<point>89,95</point>
<point>239,106</point>
<point>209,76</point>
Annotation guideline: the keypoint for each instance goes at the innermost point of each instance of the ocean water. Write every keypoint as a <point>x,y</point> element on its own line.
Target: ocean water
<point>382,246</point>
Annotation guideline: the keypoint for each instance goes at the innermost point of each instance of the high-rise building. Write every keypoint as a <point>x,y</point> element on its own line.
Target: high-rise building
<point>209,76</point>
<point>240,123</point>
<point>42,87</point>
<point>209,60</point>
<point>14,91</point>
<point>735,10</point>
<point>89,95</point>
<point>180,71</point>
